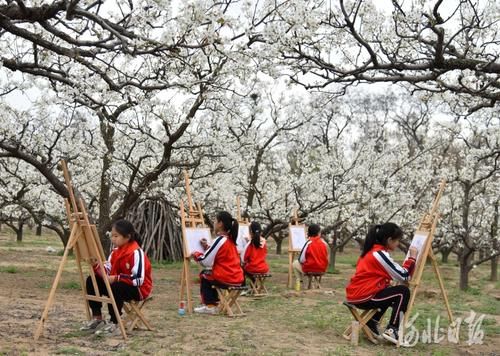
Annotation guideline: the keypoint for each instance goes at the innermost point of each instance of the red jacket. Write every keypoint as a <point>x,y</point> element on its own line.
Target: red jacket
<point>254,258</point>
<point>314,255</point>
<point>374,272</point>
<point>224,260</point>
<point>132,265</point>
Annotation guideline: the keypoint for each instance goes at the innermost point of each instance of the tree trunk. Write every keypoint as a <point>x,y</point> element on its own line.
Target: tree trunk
<point>465,267</point>
<point>494,269</point>
<point>333,251</point>
<point>278,245</point>
<point>19,231</point>
<point>493,235</point>
<point>340,248</point>
<point>445,253</point>
<point>38,230</point>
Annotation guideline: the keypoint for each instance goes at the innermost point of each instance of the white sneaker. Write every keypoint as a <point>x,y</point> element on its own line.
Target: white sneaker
<point>391,334</point>
<point>93,325</point>
<point>206,310</point>
<point>109,330</point>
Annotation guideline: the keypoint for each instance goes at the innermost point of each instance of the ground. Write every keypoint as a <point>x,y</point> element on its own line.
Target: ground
<point>284,323</point>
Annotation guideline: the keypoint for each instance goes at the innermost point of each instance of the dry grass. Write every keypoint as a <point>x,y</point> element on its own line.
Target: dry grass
<point>285,323</point>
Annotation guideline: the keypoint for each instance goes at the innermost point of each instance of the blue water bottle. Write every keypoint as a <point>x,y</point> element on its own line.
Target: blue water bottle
<point>182,304</point>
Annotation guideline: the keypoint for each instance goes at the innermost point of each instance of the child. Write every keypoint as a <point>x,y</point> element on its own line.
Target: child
<point>370,288</point>
<point>313,257</point>
<point>254,254</point>
<point>224,260</point>
<point>129,272</point>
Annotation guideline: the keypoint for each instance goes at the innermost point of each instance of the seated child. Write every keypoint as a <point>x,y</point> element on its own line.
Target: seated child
<point>255,252</point>
<point>370,287</point>
<point>224,261</point>
<point>314,256</point>
<point>128,270</point>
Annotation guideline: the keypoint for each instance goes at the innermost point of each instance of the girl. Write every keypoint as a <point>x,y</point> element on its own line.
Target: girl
<point>370,288</point>
<point>224,261</point>
<point>254,254</point>
<point>128,271</point>
<point>314,256</point>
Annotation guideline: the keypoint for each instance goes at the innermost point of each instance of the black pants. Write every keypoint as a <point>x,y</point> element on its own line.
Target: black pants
<point>396,297</point>
<point>208,294</point>
<point>249,276</point>
<point>122,292</point>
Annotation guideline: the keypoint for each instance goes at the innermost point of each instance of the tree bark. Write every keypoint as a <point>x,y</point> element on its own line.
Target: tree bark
<point>278,245</point>
<point>494,269</point>
<point>38,229</point>
<point>445,253</point>
<point>494,263</point>
<point>465,267</point>
<point>19,231</point>
<point>333,251</point>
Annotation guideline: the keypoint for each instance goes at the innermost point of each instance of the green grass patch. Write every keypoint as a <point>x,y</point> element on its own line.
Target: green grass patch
<point>69,350</point>
<point>9,269</point>
<point>70,285</point>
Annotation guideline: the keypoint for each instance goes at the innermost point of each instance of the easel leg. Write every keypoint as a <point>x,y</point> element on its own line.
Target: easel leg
<point>441,285</point>
<point>52,293</point>
<point>413,293</point>
<point>186,285</point>
<point>290,269</point>
<point>82,284</point>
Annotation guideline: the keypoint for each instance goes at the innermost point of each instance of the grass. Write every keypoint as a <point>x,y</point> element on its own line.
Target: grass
<point>8,269</point>
<point>70,350</point>
<point>284,323</point>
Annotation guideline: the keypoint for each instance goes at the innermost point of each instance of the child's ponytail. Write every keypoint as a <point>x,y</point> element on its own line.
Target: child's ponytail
<point>379,234</point>
<point>255,231</point>
<point>230,224</point>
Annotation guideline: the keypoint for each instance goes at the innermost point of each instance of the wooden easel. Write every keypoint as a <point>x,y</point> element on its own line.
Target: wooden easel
<point>428,225</point>
<point>85,242</point>
<point>194,218</point>
<point>238,213</point>
<point>291,251</point>
<point>242,222</point>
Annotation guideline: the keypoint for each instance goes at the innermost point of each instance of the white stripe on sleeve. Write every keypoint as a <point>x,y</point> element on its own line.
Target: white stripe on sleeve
<point>396,272</point>
<point>208,258</point>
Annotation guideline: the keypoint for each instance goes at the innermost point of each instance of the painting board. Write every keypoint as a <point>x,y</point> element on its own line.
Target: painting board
<point>243,237</point>
<point>193,235</point>
<point>418,242</point>
<point>297,236</point>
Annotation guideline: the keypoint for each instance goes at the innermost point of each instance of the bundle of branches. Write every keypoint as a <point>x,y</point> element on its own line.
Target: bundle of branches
<point>159,227</point>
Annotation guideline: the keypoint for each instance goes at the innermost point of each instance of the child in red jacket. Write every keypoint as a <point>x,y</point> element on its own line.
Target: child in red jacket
<point>370,288</point>
<point>254,254</point>
<point>224,260</point>
<point>313,257</point>
<point>128,271</point>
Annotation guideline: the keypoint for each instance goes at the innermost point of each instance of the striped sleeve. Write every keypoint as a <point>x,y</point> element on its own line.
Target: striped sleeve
<point>398,273</point>
<point>208,258</point>
<point>302,256</point>
<point>137,272</point>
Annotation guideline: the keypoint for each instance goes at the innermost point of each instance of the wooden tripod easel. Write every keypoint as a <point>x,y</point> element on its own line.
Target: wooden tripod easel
<point>244,228</point>
<point>85,242</point>
<point>194,218</point>
<point>428,226</point>
<point>238,213</point>
<point>291,251</point>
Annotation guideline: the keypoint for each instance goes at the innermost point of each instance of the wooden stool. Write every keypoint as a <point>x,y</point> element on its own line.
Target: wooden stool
<point>134,315</point>
<point>362,320</point>
<point>314,278</point>
<point>258,289</point>
<point>228,296</point>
